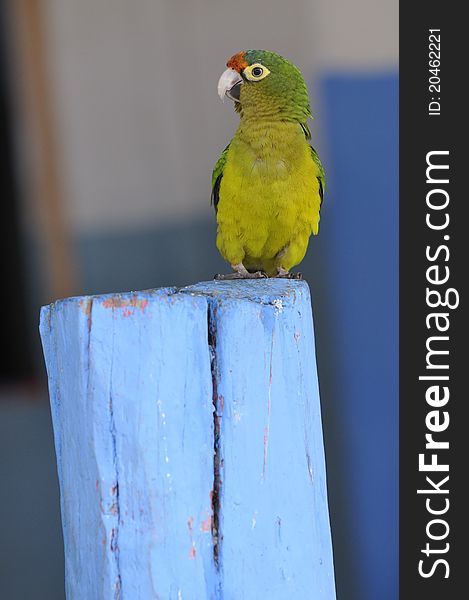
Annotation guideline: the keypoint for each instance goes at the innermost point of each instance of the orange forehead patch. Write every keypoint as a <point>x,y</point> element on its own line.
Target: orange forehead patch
<point>237,62</point>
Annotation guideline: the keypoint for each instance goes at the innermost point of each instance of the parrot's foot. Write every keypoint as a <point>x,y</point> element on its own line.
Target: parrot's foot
<point>240,272</point>
<point>283,274</point>
<point>237,275</point>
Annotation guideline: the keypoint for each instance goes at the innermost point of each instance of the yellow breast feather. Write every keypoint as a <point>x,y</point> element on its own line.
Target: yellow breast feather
<point>269,199</point>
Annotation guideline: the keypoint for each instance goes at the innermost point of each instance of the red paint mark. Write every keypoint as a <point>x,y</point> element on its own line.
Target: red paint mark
<point>97,485</point>
<point>192,551</point>
<point>237,62</point>
<point>85,306</point>
<point>126,304</point>
<point>221,403</point>
<point>112,302</point>
<point>206,525</point>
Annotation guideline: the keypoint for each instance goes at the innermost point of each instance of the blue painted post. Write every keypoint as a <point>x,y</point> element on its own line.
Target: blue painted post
<point>189,443</point>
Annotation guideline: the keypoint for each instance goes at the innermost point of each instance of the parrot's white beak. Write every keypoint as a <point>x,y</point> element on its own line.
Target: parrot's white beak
<point>229,85</point>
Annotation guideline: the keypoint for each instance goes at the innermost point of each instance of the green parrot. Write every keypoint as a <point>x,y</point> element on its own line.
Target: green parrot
<point>268,184</point>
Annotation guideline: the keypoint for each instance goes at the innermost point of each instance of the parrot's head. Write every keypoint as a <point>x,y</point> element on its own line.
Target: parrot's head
<point>264,84</point>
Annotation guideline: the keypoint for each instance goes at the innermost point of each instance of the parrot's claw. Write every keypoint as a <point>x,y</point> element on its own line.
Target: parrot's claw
<point>240,275</point>
<point>240,272</point>
<point>224,276</point>
<point>289,276</point>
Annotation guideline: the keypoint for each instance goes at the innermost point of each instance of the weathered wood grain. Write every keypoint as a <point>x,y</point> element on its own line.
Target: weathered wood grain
<point>131,396</point>
<point>189,443</point>
<point>274,538</point>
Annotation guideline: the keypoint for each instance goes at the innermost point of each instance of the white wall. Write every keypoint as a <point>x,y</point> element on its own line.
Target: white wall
<point>140,122</point>
<point>360,35</point>
<point>134,88</point>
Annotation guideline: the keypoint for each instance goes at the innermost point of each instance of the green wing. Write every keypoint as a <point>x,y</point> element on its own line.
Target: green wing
<point>216,177</point>
<point>322,176</point>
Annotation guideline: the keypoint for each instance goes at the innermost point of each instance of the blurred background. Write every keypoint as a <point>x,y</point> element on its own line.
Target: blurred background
<point>110,125</point>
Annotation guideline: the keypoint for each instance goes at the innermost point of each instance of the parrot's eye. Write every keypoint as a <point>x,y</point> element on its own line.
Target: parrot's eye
<point>256,72</point>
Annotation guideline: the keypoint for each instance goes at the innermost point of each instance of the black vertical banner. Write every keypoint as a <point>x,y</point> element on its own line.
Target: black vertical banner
<point>434,268</point>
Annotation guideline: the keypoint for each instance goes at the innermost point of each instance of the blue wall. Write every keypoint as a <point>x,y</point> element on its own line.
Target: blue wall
<point>354,266</point>
<point>31,551</point>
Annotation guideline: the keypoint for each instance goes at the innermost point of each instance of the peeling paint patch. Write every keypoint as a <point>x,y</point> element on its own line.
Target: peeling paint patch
<point>114,509</point>
<point>190,525</point>
<point>86,305</point>
<point>206,525</point>
<point>278,305</point>
<point>126,304</point>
